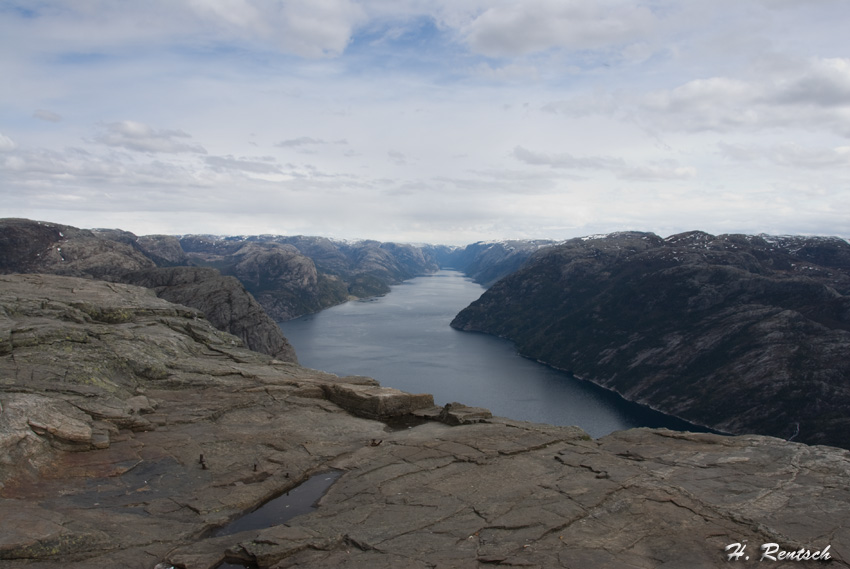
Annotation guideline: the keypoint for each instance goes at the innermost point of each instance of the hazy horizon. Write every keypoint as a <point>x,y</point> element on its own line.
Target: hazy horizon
<point>416,243</point>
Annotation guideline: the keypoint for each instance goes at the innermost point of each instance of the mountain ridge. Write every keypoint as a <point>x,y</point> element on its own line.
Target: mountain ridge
<point>733,332</point>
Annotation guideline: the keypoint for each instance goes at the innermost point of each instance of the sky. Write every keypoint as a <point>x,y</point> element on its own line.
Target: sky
<point>439,121</point>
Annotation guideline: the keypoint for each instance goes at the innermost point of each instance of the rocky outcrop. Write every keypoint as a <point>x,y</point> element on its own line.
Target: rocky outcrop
<point>285,282</point>
<point>486,262</point>
<point>384,263</point>
<point>131,429</point>
<point>164,250</point>
<point>293,276</point>
<point>40,247</point>
<point>739,333</point>
<point>224,302</point>
<point>120,256</point>
<point>368,399</point>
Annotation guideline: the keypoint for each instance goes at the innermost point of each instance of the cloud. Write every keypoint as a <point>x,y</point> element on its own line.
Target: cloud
<point>306,28</point>
<point>301,141</point>
<point>788,155</point>
<point>397,158</point>
<point>47,116</point>
<point>814,94</point>
<point>824,83</point>
<point>597,103</point>
<point>265,165</point>
<point>77,167</point>
<point>507,73</point>
<point>565,160</point>
<point>309,28</point>
<point>140,137</point>
<point>656,171</point>
<point>521,28</point>
<point>6,143</point>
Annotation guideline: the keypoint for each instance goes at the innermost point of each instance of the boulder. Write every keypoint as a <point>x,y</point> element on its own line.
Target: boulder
<point>376,402</point>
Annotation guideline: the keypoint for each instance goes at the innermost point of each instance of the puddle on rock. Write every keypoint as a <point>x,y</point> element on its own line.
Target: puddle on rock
<point>300,500</point>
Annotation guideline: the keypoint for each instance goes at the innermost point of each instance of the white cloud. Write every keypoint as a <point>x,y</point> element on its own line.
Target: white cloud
<point>789,155</point>
<point>238,13</point>
<point>811,95</point>
<point>6,143</point>
<point>596,103</point>
<point>822,83</point>
<point>659,170</point>
<point>566,160</point>
<point>47,115</point>
<point>519,28</point>
<point>140,137</point>
<point>397,158</point>
<point>512,72</point>
<point>656,172</point>
<point>300,141</point>
<point>309,28</point>
<point>77,167</point>
<point>249,165</point>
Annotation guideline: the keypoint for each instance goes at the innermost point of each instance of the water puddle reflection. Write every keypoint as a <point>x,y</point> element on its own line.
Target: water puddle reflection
<point>300,500</point>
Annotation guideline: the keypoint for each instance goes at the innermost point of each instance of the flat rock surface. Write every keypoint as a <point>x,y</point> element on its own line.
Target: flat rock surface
<point>131,429</point>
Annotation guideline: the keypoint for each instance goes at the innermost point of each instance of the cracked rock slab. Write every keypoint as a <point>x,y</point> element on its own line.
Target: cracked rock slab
<point>115,466</point>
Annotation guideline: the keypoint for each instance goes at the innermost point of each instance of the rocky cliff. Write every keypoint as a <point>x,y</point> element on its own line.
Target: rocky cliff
<point>293,276</point>
<point>745,334</point>
<point>38,247</point>
<point>131,430</point>
<point>119,256</point>
<point>486,262</point>
<point>223,301</point>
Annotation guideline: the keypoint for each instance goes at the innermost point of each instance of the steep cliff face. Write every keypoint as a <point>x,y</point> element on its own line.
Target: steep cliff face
<point>284,282</point>
<point>224,302</point>
<point>486,262</point>
<point>292,276</point>
<point>119,256</point>
<point>739,333</point>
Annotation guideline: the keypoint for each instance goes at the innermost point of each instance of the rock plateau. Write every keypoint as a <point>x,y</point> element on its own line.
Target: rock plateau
<point>131,429</point>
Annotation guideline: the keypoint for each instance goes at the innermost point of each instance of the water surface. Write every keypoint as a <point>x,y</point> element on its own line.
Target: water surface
<point>299,500</point>
<point>404,341</point>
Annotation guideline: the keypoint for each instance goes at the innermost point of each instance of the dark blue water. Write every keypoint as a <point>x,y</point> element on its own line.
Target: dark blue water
<point>404,341</point>
<point>300,500</point>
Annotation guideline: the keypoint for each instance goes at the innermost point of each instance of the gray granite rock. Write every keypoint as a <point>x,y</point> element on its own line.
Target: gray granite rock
<point>119,256</point>
<point>131,429</point>
<point>223,300</point>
